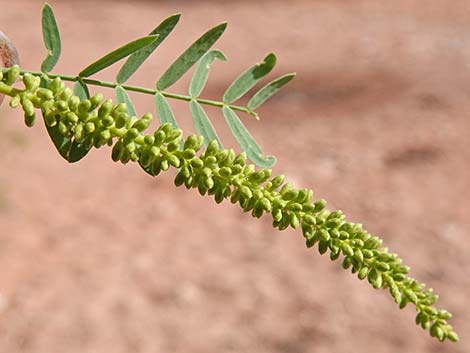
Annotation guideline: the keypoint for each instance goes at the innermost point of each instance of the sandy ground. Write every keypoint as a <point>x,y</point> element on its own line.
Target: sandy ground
<point>97,257</point>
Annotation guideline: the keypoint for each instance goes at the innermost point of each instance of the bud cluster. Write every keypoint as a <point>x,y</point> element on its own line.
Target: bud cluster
<point>226,175</point>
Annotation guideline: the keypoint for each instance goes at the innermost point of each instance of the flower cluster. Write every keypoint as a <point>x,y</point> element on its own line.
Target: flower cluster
<point>225,175</point>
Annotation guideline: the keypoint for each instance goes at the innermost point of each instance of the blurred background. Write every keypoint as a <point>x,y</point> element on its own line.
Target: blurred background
<point>98,257</point>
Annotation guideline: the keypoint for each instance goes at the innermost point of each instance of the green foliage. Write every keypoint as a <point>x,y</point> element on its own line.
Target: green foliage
<point>117,55</point>
<point>137,59</point>
<point>51,34</point>
<point>78,122</point>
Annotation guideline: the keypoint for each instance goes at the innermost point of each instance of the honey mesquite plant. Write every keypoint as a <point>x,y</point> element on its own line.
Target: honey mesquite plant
<point>76,122</point>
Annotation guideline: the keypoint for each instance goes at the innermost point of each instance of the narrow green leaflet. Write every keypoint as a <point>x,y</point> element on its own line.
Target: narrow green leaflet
<point>117,55</point>
<point>246,141</point>
<point>164,112</point>
<point>138,58</point>
<point>123,97</point>
<point>249,78</point>
<point>202,123</point>
<point>190,56</point>
<point>269,90</point>
<point>81,90</point>
<point>51,35</point>
<point>202,72</point>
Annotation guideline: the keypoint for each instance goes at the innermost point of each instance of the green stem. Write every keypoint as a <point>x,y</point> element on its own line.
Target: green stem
<point>144,90</point>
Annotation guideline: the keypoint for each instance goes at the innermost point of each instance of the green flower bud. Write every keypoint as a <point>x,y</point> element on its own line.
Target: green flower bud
<point>265,204</point>
<point>294,220</point>
<point>245,192</point>
<point>15,101</point>
<point>105,135</point>
<point>50,119</point>
<point>219,196</point>
<point>117,151</point>
<point>363,273</point>
<point>29,119</point>
<point>61,106</point>
<point>30,82</point>
<point>206,172</point>
<point>134,156</point>
<point>172,146</point>
<point>27,105</point>
<point>277,214</point>
<point>240,159</point>
<point>197,163</point>
<point>189,153</point>
<point>159,137</point>
<point>375,278</point>
<point>164,165</point>
<point>346,248</point>
<point>322,247</point>
<point>121,120</point>
<point>63,129</point>
<point>373,243</point>
<point>141,124</point>
<point>73,103</point>
<point>359,255</point>
<point>438,332</point>
<point>236,169</point>
<point>119,108</point>
<point>131,146</point>
<point>323,234</point>
<point>452,336</point>
<point>84,107</point>
<point>12,75</point>
<point>107,121</point>
<point>155,151</point>
<point>96,100</point>
<point>395,292</point>
<point>191,142</point>
<point>310,242</point>
<point>209,183</point>
<point>277,182</point>
<point>174,161</point>
<point>105,109</point>
<point>57,86</point>
<point>319,205</point>
<point>90,127</point>
<point>71,118</point>
<point>410,295</point>
<point>179,179</point>
<point>66,94</point>
<point>79,132</point>
<point>132,134</point>
<point>149,140</point>
<point>347,261</point>
<point>146,158</point>
<point>225,171</point>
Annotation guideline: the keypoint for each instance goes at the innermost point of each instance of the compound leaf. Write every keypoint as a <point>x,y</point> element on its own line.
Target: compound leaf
<point>246,141</point>
<point>202,123</point>
<point>51,35</point>
<point>138,58</point>
<point>117,55</point>
<point>202,72</point>
<point>269,90</point>
<point>190,56</point>
<point>164,112</point>
<point>123,97</point>
<point>249,78</point>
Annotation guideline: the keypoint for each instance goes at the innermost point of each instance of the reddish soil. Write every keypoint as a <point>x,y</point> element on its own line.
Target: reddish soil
<point>97,257</point>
